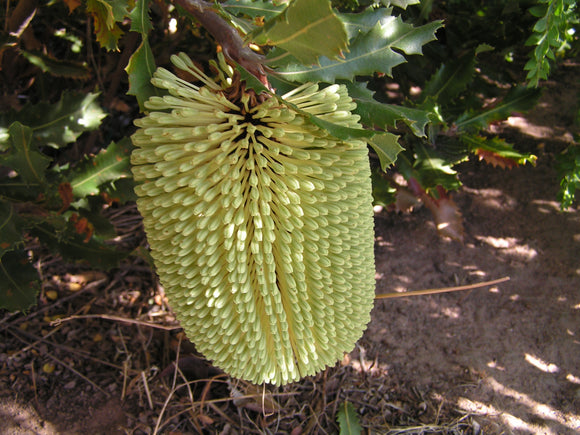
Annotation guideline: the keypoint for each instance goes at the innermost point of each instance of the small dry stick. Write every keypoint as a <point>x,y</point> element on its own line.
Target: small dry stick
<point>433,291</point>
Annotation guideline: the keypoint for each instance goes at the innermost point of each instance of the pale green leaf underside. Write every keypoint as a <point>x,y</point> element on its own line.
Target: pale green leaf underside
<point>140,69</point>
<point>140,20</point>
<point>253,9</point>
<point>348,420</point>
<point>306,29</point>
<point>387,147</point>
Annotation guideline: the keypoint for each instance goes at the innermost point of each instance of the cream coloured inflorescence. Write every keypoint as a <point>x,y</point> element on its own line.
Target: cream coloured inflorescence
<point>260,223</point>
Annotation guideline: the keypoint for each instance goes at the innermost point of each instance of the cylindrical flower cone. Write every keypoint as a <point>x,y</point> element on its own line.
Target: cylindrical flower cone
<point>259,222</point>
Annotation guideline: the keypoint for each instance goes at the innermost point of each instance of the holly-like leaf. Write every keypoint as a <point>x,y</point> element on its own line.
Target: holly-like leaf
<point>140,20</point>
<point>348,420</point>
<point>10,235</point>
<point>451,79</point>
<point>496,151</point>
<point>109,165</point>
<point>19,283</point>
<point>364,22</point>
<point>140,69</point>
<point>56,67</point>
<point>24,157</point>
<point>429,168</point>
<point>376,114</point>
<point>368,53</point>
<point>307,29</point>
<point>106,14</point>
<point>75,247</point>
<point>387,147</point>
<point>519,99</point>
<point>60,123</point>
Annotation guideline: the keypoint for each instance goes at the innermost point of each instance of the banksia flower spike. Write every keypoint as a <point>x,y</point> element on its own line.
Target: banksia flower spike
<point>259,222</point>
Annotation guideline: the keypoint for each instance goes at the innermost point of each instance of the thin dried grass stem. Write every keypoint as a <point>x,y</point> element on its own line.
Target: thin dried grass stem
<point>442,290</point>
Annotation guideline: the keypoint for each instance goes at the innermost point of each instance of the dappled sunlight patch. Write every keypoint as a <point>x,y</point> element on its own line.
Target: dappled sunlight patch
<point>528,128</point>
<point>541,410</point>
<point>511,246</point>
<point>541,364</point>
<point>493,198</point>
<point>514,423</point>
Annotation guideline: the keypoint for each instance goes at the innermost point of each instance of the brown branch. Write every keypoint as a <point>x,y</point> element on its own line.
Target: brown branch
<point>225,35</point>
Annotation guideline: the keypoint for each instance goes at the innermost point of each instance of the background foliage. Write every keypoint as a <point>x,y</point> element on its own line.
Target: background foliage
<point>428,78</point>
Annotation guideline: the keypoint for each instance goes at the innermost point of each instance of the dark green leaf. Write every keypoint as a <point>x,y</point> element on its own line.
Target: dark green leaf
<point>140,69</point>
<point>384,116</point>
<point>348,419</point>
<point>56,67</point>
<point>10,235</point>
<point>519,99</point>
<point>60,123</point>
<point>430,168</point>
<point>307,29</point>
<point>19,283</point>
<point>109,165</point>
<point>24,157</point>
<point>451,79</point>
<point>368,53</point>
<point>387,147</point>
<point>364,22</point>
<point>73,247</point>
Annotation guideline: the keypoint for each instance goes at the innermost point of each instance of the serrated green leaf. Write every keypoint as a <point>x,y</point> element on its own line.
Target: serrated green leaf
<point>24,157</point>
<point>253,9</point>
<point>451,79</point>
<point>363,22</point>
<point>140,20</point>
<point>518,99</point>
<point>56,67</point>
<point>109,165</point>
<point>368,53</point>
<point>10,235</point>
<point>376,114</point>
<point>307,29</point>
<point>496,151</point>
<point>429,167</point>
<point>73,247</point>
<point>60,123</point>
<point>140,69</point>
<point>348,420</point>
<point>105,14</point>
<point>19,283</point>
<point>387,147</point>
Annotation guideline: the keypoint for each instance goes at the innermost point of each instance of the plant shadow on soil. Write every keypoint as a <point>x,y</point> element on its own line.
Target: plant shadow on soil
<point>502,359</point>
